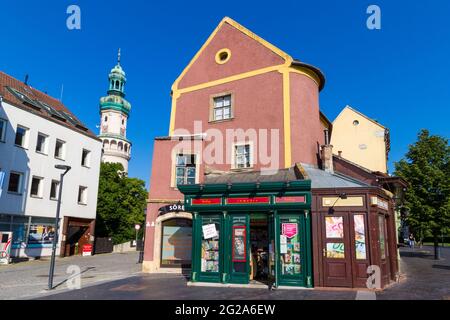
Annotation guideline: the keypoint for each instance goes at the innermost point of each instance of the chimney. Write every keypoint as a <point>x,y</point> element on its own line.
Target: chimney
<point>340,154</point>
<point>326,154</point>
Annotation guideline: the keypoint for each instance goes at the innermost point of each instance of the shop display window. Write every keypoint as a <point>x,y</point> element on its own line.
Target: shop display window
<point>210,245</point>
<point>360,237</point>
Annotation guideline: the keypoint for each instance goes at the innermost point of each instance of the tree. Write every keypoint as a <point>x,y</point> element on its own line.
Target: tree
<point>121,203</point>
<point>426,169</point>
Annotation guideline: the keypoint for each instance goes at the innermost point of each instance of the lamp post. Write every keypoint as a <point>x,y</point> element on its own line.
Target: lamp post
<point>55,238</point>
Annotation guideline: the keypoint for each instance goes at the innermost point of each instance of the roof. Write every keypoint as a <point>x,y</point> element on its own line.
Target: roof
<point>25,97</point>
<point>314,69</point>
<point>281,175</point>
<point>362,115</point>
<point>321,179</point>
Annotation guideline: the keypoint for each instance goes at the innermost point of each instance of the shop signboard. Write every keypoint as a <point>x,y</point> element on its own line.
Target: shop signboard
<point>87,250</point>
<point>206,201</point>
<point>290,230</point>
<point>291,199</point>
<point>209,231</point>
<point>239,244</point>
<point>254,200</point>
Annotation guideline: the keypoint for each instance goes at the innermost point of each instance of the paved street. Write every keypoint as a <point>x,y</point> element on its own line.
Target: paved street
<point>425,278</point>
<point>117,276</point>
<point>30,279</point>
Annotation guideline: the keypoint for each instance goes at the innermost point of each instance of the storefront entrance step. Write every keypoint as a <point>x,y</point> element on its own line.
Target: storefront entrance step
<point>227,285</point>
<point>293,288</point>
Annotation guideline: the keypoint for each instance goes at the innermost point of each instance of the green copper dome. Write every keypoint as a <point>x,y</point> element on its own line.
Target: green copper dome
<point>116,93</point>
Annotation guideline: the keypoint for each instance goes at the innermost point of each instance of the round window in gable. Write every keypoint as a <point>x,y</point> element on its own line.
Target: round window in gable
<point>355,123</point>
<point>223,55</point>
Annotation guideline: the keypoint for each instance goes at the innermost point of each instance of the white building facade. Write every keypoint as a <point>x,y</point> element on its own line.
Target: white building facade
<point>114,112</point>
<point>36,133</point>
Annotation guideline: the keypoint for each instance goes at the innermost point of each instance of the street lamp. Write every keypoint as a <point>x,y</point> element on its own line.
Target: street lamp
<point>55,238</point>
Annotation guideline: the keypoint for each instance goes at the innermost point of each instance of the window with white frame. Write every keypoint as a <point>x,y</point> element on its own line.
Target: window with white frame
<point>242,156</point>
<point>85,158</point>
<point>3,124</point>
<point>15,182</point>
<point>59,149</point>
<point>222,108</point>
<point>41,143</point>
<point>82,195</point>
<point>36,187</point>
<point>54,188</point>
<point>185,169</point>
<point>21,139</point>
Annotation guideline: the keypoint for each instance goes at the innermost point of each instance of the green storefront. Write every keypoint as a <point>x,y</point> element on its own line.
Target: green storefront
<point>251,232</point>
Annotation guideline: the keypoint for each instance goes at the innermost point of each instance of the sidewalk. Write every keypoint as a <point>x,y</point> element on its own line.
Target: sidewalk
<point>30,279</point>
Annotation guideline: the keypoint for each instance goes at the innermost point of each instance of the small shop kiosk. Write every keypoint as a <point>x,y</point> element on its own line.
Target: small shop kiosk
<point>258,232</point>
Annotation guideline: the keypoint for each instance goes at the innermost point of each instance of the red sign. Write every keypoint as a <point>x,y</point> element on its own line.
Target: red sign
<point>289,230</point>
<point>248,200</point>
<point>298,199</point>
<point>87,249</point>
<point>206,201</point>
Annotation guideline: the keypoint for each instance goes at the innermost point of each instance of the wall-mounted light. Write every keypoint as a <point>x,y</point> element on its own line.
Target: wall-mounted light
<point>342,196</point>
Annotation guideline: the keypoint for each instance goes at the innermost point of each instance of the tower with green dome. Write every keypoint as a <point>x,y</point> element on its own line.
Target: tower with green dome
<point>115,111</point>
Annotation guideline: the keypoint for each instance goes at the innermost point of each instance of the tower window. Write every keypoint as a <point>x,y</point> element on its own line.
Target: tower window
<point>123,121</point>
<point>106,118</point>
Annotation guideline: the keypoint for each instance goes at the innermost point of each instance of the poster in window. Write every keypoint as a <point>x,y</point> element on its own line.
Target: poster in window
<point>290,248</point>
<point>41,234</point>
<point>239,239</point>
<point>334,227</point>
<point>360,237</point>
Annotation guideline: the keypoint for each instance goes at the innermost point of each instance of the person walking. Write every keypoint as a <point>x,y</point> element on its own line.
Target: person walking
<point>412,241</point>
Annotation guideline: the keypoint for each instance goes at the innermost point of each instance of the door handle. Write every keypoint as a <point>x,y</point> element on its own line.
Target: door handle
<point>324,252</point>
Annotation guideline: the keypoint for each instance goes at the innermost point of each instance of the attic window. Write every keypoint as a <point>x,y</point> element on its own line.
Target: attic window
<point>222,56</point>
<point>356,123</point>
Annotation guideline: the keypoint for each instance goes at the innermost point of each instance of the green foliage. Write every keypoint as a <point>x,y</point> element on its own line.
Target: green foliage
<point>121,204</point>
<point>426,169</point>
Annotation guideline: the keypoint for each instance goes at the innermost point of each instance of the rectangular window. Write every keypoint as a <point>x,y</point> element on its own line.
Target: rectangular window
<point>41,232</point>
<point>210,244</point>
<point>360,237</point>
<point>3,124</point>
<point>242,156</point>
<point>41,143</point>
<point>54,188</point>
<point>59,149</point>
<point>185,169</point>
<point>85,158</point>
<point>290,247</point>
<point>222,108</point>
<point>82,195</point>
<point>21,137</point>
<point>36,187</point>
<point>15,182</point>
<point>381,229</point>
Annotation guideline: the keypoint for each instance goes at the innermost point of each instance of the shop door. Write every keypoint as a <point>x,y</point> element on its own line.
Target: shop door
<point>291,250</point>
<point>337,261</point>
<point>239,253</point>
<point>384,251</point>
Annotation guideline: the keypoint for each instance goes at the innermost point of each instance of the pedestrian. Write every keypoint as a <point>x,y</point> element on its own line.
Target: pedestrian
<point>412,241</point>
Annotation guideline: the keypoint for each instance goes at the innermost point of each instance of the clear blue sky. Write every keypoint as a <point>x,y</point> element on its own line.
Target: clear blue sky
<point>398,75</point>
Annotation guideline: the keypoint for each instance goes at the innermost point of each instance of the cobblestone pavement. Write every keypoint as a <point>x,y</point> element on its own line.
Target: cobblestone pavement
<point>30,279</point>
<point>425,279</point>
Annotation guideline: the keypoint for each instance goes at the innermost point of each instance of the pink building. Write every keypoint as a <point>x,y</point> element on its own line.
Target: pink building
<point>242,111</point>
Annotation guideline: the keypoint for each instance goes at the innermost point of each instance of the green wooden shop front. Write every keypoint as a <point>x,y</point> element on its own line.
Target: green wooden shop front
<point>225,219</point>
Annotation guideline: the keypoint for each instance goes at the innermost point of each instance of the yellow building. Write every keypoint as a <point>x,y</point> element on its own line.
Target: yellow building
<point>361,140</point>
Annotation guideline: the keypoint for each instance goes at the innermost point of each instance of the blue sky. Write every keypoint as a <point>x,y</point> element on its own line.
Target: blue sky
<point>398,75</point>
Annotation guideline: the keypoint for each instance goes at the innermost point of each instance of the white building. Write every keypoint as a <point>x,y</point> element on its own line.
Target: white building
<point>38,132</point>
<point>114,111</point>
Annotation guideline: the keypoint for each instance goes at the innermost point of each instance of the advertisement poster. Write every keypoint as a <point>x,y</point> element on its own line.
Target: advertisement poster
<point>40,234</point>
<point>334,227</point>
<point>209,231</point>
<point>335,251</point>
<point>360,237</point>
<point>239,238</point>
<point>290,249</point>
